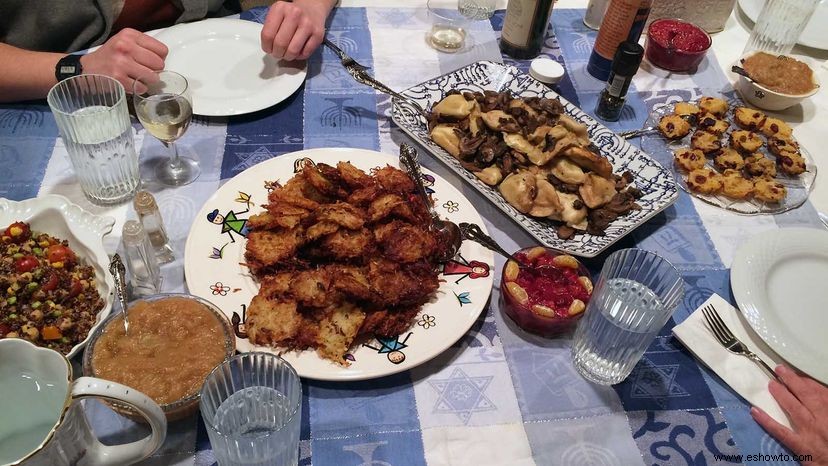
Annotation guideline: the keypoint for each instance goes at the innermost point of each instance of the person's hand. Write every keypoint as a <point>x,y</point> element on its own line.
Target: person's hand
<point>806,402</point>
<point>127,55</point>
<point>292,31</point>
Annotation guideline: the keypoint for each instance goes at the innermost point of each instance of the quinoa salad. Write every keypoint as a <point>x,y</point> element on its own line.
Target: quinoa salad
<point>47,294</point>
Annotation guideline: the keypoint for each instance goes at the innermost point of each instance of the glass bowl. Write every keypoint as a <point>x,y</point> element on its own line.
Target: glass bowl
<point>180,408</point>
<point>533,307</point>
<point>676,45</point>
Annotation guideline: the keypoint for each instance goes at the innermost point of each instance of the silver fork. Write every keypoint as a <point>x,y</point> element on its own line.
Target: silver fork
<point>360,75</point>
<point>728,340</point>
<point>346,60</point>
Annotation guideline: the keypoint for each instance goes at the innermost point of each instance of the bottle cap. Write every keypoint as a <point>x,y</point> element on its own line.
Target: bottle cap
<point>546,70</point>
<point>133,232</point>
<point>144,203</point>
<point>627,58</point>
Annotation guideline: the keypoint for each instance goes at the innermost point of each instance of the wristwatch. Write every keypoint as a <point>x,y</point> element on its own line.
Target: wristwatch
<point>68,66</point>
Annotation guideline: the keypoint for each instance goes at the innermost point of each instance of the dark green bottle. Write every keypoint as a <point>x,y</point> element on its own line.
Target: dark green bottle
<point>524,27</point>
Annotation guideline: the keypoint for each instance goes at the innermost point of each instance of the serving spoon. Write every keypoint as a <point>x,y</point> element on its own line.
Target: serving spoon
<point>447,231</point>
<point>118,271</point>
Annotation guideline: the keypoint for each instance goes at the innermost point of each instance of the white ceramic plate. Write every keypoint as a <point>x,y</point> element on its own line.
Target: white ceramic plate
<point>799,187</point>
<point>778,280</point>
<point>228,72</point>
<point>56,216</point>
<point>211,266</point>
<point>815,34</point>
<point>655,182</point>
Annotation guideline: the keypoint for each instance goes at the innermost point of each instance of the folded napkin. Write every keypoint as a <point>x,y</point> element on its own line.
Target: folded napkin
<point>744,376</point>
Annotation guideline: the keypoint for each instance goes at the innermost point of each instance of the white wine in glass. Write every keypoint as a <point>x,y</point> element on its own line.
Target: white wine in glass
<point>165,110</point>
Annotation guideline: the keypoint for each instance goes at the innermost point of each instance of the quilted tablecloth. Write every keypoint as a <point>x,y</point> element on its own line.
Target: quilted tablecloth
<point>499,396</point>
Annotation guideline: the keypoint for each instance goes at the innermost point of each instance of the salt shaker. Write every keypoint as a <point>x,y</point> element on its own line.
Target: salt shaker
<point>142,265</point>
<point>153,223</point>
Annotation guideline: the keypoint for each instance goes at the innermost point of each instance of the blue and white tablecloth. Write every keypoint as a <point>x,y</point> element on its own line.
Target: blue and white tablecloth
<point>499,396</point>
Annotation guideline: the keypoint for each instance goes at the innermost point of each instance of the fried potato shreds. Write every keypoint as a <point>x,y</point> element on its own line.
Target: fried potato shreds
<point>339,253</point>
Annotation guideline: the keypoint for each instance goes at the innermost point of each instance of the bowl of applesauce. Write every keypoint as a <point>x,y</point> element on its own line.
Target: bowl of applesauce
<point>174,341</point>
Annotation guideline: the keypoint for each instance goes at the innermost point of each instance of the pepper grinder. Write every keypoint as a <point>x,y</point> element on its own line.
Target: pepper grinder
<point>153,223</point>
<point>624,66</point>
<point>142,265</point>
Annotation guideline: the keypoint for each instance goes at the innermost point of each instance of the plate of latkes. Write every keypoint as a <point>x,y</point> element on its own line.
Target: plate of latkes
<point>732,156</point>
<point>569,181</point>
<point>324,257</point>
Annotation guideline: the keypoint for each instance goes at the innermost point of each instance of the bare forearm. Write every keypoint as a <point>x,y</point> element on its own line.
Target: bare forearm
<point>26,75</point>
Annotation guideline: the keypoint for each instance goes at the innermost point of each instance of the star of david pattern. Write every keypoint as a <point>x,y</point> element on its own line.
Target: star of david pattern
<point>462,395</point>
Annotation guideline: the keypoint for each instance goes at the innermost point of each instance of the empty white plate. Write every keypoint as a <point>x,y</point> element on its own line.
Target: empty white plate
<point>228,72</point>
<point>780,281</point>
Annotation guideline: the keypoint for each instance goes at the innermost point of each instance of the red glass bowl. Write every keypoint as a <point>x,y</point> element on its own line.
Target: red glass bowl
<point>676,45</point>
<point>523,314</point>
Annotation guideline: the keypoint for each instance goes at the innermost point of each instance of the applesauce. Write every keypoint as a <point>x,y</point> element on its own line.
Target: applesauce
<point>779,73</point>
<point>172,344</point>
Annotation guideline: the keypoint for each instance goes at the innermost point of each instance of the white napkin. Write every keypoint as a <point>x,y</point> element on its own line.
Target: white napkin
<point>744,376</point>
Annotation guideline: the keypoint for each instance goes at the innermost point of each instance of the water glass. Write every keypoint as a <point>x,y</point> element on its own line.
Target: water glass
<point>448,26</point>
<point>251,405</point>
<point>779,25</point>
<point>91,113</point>
<point>476,9</point>
<point>636,294</point>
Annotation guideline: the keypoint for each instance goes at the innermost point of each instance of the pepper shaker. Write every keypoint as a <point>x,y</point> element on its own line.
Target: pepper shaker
<point>624,66</point>
<point>142,265</point>
<point>153,223</point>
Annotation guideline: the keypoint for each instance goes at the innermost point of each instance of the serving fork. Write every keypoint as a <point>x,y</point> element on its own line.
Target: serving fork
<point>360,74</point>
<point>723,334</point>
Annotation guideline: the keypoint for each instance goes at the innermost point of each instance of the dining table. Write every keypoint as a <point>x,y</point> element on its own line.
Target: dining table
<point>498,395</point>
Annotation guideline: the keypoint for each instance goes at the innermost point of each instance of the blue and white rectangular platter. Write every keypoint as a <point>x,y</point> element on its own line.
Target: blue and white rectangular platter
<point>655,182</point>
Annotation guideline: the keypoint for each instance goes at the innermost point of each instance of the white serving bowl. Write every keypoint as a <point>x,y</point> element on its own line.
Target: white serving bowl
<point>761,97</point>
<point>57,216</point>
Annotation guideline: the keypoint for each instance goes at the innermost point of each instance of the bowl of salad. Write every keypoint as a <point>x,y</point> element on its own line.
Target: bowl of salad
<point>54,285</point>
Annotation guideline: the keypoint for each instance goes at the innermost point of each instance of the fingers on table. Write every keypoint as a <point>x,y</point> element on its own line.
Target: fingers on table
<point>785,435</point>
<point>798,413</point>
<point>811,393</point>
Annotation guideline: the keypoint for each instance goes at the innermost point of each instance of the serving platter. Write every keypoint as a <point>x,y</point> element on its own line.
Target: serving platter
<point>215,250</point>
<point>58,217</point>
<point>225,66</point>
<point>655,182</point>
<point>798,187</point>
<point>778,281</point>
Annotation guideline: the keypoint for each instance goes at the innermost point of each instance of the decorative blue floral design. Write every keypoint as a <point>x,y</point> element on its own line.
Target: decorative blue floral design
<point>463,298</point>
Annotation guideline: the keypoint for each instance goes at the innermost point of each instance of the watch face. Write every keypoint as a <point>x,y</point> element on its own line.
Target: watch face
<point>67,69</point>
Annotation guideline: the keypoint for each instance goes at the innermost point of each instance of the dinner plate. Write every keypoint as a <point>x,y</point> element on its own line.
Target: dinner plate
<point>778,281</point>
<point>227,70</point>
<point>655,182</point>
<point>814,35</point>
<point>58,217</point>
<point>798,187</point>
<point>213,255</point>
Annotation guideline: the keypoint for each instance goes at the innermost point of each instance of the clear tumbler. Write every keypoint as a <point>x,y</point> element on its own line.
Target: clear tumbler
<point>91,113</point>
<point>779,25</point>
<point>636,294</point>
<point>252,406</point>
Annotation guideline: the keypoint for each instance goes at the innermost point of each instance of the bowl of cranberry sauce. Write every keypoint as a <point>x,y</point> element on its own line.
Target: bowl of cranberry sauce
<point>676,45</point>
<point>548,294</point>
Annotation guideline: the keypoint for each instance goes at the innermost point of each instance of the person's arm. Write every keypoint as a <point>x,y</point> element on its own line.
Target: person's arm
<point>293,30</point>
<point>806,402</point>
<point>125,56</point>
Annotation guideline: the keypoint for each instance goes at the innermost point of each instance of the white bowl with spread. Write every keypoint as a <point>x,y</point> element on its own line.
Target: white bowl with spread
<point>761,96</point>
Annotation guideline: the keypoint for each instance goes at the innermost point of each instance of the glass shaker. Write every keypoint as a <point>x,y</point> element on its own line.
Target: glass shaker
<point>150,217</point>
<point>141,263</point>
<point>779,25</point>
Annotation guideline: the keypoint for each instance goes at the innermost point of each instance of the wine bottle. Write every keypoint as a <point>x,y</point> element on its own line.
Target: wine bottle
<point>624,21</point>
<point>524,27</point>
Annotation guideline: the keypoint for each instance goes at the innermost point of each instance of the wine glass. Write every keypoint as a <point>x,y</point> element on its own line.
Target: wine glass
<point>166,109</point>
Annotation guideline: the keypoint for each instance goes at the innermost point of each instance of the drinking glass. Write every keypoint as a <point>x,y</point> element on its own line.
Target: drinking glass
<point>166,109</point>
<point>448,26</point>
<point>779,25</point>
<point>91,112</point>
<point>251,405</point>
<point>476,9</point>
<point>635,295</point>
